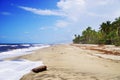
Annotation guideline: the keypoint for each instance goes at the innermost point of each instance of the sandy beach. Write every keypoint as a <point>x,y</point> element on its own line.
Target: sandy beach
<point>73,62</point>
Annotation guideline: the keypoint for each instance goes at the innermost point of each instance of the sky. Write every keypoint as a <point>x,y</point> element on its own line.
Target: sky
<point>52,21</point>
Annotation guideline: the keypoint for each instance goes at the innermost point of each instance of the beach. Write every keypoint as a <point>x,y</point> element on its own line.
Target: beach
<point>73,62</point>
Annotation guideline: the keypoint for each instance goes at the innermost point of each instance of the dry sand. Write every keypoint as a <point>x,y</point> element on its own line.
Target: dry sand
<point>68,62</point>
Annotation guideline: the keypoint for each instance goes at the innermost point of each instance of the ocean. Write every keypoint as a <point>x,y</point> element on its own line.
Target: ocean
<point>8,50</point>
<point>9,46</point>
<point>15,69</point>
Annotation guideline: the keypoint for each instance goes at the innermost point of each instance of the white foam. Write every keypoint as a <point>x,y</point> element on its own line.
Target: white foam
<point>19,52</point>
<point>13,45</point>
<point>25,45</point>
<point>3,45</point>
<point>14,70</point>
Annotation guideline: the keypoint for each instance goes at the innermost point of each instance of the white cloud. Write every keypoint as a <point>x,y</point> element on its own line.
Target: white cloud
<point>61,24</point>
<point>116,13</point>
<point>69,4</point>
<point>45,28</point>
<point>68,8</point>
<point>73,11</point>
<point>42,28</point>
<point>102,9</point>
<point>73,8</point>
<point>5,13</point>
<point>93,3</point>
<point>42,12</point>
<point>104,2</point>
<point>107,2</point>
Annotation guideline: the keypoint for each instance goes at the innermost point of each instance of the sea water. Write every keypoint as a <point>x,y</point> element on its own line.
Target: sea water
<point>12,50</point>
<point>15,69</point>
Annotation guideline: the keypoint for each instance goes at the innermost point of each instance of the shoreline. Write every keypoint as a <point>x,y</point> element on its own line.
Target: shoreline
<point>11,63</point>
<point>68,62</point>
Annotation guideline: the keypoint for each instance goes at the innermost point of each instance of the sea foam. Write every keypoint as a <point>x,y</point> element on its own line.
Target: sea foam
<point>19,52</point>
<point>15,69</point>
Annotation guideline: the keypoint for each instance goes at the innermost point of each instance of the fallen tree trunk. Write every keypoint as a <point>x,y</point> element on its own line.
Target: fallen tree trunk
<point>39,69</point>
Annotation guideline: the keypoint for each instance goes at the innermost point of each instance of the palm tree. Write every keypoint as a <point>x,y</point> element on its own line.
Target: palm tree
<point>106,27</point>
<point>116,25</point>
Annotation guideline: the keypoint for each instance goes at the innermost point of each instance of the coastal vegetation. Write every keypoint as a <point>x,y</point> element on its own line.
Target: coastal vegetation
<point>108,33</point>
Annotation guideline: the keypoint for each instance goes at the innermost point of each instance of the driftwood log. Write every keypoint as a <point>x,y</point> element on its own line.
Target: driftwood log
<point>39,69</point>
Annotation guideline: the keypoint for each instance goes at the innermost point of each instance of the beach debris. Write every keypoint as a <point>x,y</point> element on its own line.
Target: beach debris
<point>39,69</point>
<point>101,48</point>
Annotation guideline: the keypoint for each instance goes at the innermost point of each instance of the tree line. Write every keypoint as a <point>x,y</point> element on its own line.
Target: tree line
<point>108,33</point>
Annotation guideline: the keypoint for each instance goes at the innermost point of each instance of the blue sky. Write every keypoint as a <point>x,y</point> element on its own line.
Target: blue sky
<point>52,21</point>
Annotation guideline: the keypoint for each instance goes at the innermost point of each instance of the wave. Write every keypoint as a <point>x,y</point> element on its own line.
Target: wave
<point>20,67</point>
<point>14,70</point>
<point>20,51</point>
